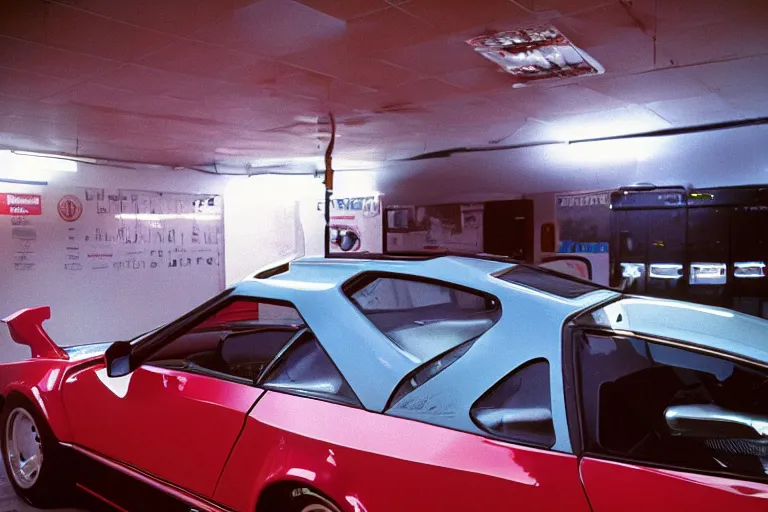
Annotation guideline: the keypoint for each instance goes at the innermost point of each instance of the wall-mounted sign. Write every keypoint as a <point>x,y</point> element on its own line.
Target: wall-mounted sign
<point>584,221</point>
<point>20,204</point>
<point>70,208</point>
<point>355,224</point>
<point>369,206</point>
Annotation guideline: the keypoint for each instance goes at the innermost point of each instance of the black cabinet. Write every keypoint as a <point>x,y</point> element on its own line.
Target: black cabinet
<point>508,229</point>
<point>705,245</point>
<point>648,230</point>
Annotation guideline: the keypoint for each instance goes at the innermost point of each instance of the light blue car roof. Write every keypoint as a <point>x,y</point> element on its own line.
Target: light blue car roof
<point>530,327</point>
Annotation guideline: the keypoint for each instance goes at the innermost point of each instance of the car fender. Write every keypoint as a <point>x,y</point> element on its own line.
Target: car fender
<point>284,457</point>
<point>303,464</point>
<point>39,381</point>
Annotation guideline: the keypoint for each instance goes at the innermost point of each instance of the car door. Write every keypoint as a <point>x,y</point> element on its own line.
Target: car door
<point>177,416</point>
<point>667,427</point>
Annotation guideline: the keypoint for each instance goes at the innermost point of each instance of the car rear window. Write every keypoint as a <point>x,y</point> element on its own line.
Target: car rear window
<point>548,281</point>
<point>424,318</point>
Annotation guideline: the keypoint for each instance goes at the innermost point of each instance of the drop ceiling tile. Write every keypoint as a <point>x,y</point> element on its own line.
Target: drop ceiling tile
<point>436,57</point>
<point>315,86</point>
<point>94,35</point>
<point>733,78</point>
<point>706,31</point>
<point>148,81</point>
<point>602,26</point>
<point>343,62</point>
<point>347,9</point>
<point>420,92</point>
<point>62,144</point>
<point>631,53</point>
<point>647,87</point>
<point>482,120</point>
<point>35,110</point>
<point>374,34</point>
<point>536,101</point>
<point>306,84</point>
<point>153,155</point>
<point>701,109</point>
<point>122,101</point>
<point>455,15</point>
<point>21,84</point>
<point>20,125</point>
<point>273,28</point>
<point>201,59</point>
<point>601,123</point>
<point>24,19</point>
<point>260,72</point>
<point>563,6</point>
<point>480,79</point>
<point>173,16</point>
<point>54,62</point>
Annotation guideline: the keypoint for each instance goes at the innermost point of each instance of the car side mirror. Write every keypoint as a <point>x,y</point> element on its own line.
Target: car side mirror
<point>711,421</point>
<point>118,359</point>
<point>531,419</point>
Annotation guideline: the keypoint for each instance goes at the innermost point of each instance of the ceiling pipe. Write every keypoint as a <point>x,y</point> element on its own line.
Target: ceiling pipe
<point>665,132</point>
<point>329,184</point>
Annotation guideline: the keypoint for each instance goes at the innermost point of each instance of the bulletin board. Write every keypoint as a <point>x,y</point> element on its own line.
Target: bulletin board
<point>111,263</point>
<point>457,227</point>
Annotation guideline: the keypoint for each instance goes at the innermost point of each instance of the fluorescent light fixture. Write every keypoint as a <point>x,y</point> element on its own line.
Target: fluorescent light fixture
<point>315,162</point>
<point>632,270</point>
<point>535,53</point>
<point>610,151</point>
<point>54,156</point>
<point>749,269</point>
<point>28,168</point>
<point>666,271</point>
<point>708,273</point>
<point>156,217</point>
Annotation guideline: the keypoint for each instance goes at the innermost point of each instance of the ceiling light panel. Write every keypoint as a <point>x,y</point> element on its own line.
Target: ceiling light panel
<point>535,53</point>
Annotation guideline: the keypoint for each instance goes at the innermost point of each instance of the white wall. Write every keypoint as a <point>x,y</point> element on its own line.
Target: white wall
<point>85,306</point>
<point>270,218</point>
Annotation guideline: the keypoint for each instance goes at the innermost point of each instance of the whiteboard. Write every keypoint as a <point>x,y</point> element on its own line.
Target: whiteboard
<point>111,263</point>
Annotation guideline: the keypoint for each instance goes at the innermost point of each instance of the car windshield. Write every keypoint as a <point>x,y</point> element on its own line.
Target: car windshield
<point>711,327</point>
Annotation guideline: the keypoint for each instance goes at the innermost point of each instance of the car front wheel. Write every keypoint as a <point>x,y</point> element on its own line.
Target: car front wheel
<point>306,500</point>
<point>32,456</point>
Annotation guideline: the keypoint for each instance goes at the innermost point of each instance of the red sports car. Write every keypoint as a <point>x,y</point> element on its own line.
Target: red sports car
<point>443,384</point>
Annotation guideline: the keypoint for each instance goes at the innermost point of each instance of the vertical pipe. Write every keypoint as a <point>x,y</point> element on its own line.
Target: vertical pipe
<point>329,184</point>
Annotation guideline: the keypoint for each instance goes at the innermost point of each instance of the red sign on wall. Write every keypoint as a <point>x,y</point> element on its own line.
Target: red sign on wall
<point>20,204</point>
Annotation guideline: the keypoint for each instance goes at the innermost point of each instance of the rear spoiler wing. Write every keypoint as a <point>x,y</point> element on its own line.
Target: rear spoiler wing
<point>26,328</point>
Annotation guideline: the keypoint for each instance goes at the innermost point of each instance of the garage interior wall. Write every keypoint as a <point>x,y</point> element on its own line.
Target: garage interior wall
<point>543,213</point>
<point>270,218</point>
<point>267,218</point>
<point>87,306</point>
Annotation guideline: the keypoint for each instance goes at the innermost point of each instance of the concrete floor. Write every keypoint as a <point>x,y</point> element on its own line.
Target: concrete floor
<point>9,502</point>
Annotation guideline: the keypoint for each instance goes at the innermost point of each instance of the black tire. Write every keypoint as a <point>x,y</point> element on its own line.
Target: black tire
<point>306,500</point>
<point>53,485</point>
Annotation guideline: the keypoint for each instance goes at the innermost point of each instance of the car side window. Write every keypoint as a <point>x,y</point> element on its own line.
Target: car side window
<point>237,340</point>
<point>519,408</point>
<point>305,369</point>
<point>666,406</point>
<point>424,318</point>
